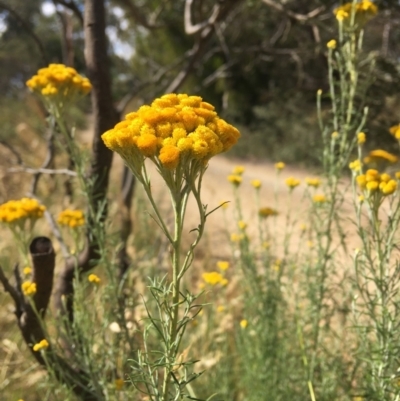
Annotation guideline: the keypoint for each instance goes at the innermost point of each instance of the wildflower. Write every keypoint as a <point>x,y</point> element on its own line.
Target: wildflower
<point>267,211</point>
<point>236,237</point>
<point>380,155</point>
<point>213,278</point>
<point>361,138</point>
<point>292,182</point>
<point>224,282</point>
<point>363,11</point>
<point>71,218</point>
<point>361,198</point>
<point>256,184</point>
<point>175,131</point>
<point>220,308</point>
<point>277,265</point>
<point>397,174</point>
<point>59,83</point>
<point>223,265</point>
<point>372,185</point>
<point>310,244</point>
<point>389,187</point>
<point>356,165</point>
<point>331,44</point>
<point>18,211</point>
<point>280,166</point>
<point>319,198</point>
<point>28,288</point>
<point>119,383</point>
<point>395,131</point>
<point>319,92</point>
<point>93,278</point>
<point>40,345</point>
<point>27,270</point>
<point>313,182</point>
<point>238,170</point>
<point>361,181</point>
<point>244,323</point>
<point>335,135</point>
<point>242,225</point>
<point>236,180</point>
<point>303,227</point>
<point>266,245</point>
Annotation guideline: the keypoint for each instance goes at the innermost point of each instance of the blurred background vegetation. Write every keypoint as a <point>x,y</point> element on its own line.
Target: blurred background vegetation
<point>262,66</point>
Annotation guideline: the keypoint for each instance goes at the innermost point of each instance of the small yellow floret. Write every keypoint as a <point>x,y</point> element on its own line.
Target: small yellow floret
<point>40,345</point>
<point>313,182</point>
<point>361,138</point>
<point>244,323</point>
<point>331,44</point>
<point>236,180</point>
<point>238,170</point>
<point>395,131</point>
<point>93,278</point>
<point>169,157</point>
<point>28,288</point>
<point>223,264</point>
<point>71,218</point>
<point>213,278</point>
<point>256,184</point>
<point>280,166</point>
<point>267,211</point>
<point>319,198</point>
<point>292,182</point>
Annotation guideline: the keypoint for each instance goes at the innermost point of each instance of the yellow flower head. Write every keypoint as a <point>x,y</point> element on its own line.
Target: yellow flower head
<point>174,128</point>
<point>18,211</point>
<point>223,265</point>
<point>331,44</point>
<point>335,135</point>
<point>356,165</point>
<point>363,12</point>
<point>28,288</point>
<point>224,204</point>
<point>41,345</point>
<point>292,182</point>
<point>220,308</point>
<point>242,224</point>
<point>244,323</point>
<point>71,218</point>
<point>236,237</point>
<point>361,138</point>
<point>319,198</point>
<point>59,82</point>
<point>93,278</point>
<point>267,212</point>
<point>27,270</point>
<point>280,166</point>
<point>313,182</point>
<point>236,180</point>
<point>395,131</point>
<point>238,170</point>
<point>256,184</point>
<point>380,155</point>
<point>213,278</point>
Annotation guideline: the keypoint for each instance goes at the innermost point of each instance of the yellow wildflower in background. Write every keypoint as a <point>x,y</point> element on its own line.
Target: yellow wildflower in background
<point>27,270</point>
<point>71,218</point>
<point>319,198</point>
<point>220,308</point>
<point>313,182</point>
<point>235,179</point>
<point>223,265</point>
<point>174,130</point>
<point>239,170</point>
<point>379,155</point>
<point>224,204</point>
<point>356,165</point>
<point>364,11</point>
<point>119,383</point>
<point>244,323</point>
<point>292,182</point>
<point>267,211</point>
<point>93,278</point>
<point>335,135</point>
<point>280,166</point>
<point>213,278</point>
<point>41,345</point>
<point>331,44</point>
<point>397,175</point>
<point>372,181</point>
<point>395,131</point>
<point>242,225</point>
<point>256,184</point>
<point>28,288</point>
<point>59,82</point>
<point>361,138</point>
<point>236,237</point>
<point>18,211</point>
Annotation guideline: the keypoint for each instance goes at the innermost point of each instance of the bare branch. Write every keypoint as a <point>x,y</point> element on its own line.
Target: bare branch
<point>138,16</point>
<point>27,27</point>
<point>70,4</point>
<point>9,288</point>
<point>298,17</point>
<point>13,151</point>
<point>36,171</point>
<point>191,29</point>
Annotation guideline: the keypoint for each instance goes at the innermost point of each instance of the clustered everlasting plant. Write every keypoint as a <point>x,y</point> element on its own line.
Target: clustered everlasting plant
<point>299,314</point>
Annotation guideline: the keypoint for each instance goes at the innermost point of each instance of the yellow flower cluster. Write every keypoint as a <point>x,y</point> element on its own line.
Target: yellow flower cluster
<point>256,184</point>
<point>119,384</point>
<point>41,345</point>
<point>380,155</point>
<point>223,265</point>
<point>28,288</point>
<point>71,218</point>
<point>331,44</point>
<point>313,182</point>
<point>172,128</point>
<point>214,278</point>
<point>292,182</point>
<point>236,180</point>
<point>280,166</point>
<point>375,183</point>
<point>356,165</point>
<point>364,11</point>
<point>319,198</point>
<point>242,225</point>
<point>94,278</point>
<point>239,170</point>
<point>58,80</point>
<point>395,131</point>
<point>361,138</point>
<point>17,211</point>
